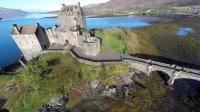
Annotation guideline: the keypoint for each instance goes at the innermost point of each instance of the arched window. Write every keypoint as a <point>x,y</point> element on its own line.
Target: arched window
<point>66,41</point>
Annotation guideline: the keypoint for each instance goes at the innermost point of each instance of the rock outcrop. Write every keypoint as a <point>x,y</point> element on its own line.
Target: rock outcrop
<point>56,104</point>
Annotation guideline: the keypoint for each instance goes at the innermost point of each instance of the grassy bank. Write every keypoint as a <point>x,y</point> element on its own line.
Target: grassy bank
<point>161,40</point>
<point>49,75</point>
<point>53,74</point>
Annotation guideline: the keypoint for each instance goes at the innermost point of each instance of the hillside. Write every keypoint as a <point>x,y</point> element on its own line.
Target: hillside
<point>6,13</point>
<point>117,4</point>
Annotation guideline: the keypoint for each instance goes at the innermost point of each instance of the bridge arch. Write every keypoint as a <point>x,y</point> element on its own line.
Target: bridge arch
<point>162,74</point>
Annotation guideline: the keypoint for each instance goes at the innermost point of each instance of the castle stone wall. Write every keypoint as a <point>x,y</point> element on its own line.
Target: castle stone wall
<point>28,44</point>
<point>92,48</point>
<point>42,37</point>
<point>34,39</point>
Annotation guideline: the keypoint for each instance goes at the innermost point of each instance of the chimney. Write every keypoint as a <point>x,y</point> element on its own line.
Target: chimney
<point>55,26</point>
<point>79,4</point>
<point>15,28</point>
<point>37,25</point>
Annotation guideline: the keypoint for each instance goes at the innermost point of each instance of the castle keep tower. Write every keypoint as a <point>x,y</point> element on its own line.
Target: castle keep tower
<point>72,30</point>
<point>72,17</point>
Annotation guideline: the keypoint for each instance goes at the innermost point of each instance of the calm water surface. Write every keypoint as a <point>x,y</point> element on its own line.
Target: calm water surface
<point>9,52</point>
<point>184,31</point>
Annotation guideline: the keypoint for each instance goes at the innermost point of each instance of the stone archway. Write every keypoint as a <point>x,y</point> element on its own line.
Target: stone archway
<point>163,75</point>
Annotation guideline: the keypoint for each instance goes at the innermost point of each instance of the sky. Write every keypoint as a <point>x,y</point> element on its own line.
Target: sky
<point>43,5</point>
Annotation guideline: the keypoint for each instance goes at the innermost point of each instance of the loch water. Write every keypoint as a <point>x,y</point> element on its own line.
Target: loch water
<point>184,31</point>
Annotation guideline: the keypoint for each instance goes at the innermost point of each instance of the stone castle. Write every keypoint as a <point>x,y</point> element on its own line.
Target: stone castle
<point>33,40</point>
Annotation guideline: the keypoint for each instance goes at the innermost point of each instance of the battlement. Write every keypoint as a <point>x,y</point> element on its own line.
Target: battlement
<point>70,8</point>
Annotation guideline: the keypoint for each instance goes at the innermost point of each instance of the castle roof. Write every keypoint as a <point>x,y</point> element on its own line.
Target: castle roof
<point>24,30</point>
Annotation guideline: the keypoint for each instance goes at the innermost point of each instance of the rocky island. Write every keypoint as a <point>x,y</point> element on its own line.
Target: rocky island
<point>72,69</point>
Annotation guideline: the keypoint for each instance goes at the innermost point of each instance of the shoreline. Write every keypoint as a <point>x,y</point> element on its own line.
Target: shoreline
<point>169,16</point>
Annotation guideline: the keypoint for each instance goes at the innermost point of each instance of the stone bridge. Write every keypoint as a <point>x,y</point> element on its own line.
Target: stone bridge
<point>173,71</point>
<point>143,65</point>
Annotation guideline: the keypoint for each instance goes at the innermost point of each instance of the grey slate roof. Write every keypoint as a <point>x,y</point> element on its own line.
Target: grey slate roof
<point>25,30</point>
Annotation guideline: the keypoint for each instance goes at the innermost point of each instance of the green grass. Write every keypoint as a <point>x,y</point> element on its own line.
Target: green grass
<point>120,39</point>
<point>50,75</point>
<point>102,48</point>
<point>53,74</point>
<point>161,40</point>
<point>158,40</point>
<point>142,101</point>
<point>114,43</point>
<point>111,37</point>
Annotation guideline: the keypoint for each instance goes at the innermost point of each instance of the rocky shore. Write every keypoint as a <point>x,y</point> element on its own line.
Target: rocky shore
<point>96,95</point>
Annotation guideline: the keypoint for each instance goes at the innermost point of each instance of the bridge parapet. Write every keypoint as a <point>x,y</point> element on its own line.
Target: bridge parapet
<point>172,66</point>
<point>174,71</point>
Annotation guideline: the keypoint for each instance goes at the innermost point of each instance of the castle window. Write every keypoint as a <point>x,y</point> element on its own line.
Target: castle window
<point>66,41</point>
<point>75,7</point>
<point>45,47</point>
<point>78,13</point>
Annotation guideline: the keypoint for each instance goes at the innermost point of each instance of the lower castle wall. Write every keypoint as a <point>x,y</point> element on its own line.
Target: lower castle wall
<point>28,44</point>
<point>74,39</point>
<point>92,49</point>
<point>56,36</point>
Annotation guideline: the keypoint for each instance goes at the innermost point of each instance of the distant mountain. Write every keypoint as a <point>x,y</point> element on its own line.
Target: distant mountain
<point>91,6</point>
<point>50,12</point>
<point>118,4</point>
<point>6,13</point>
